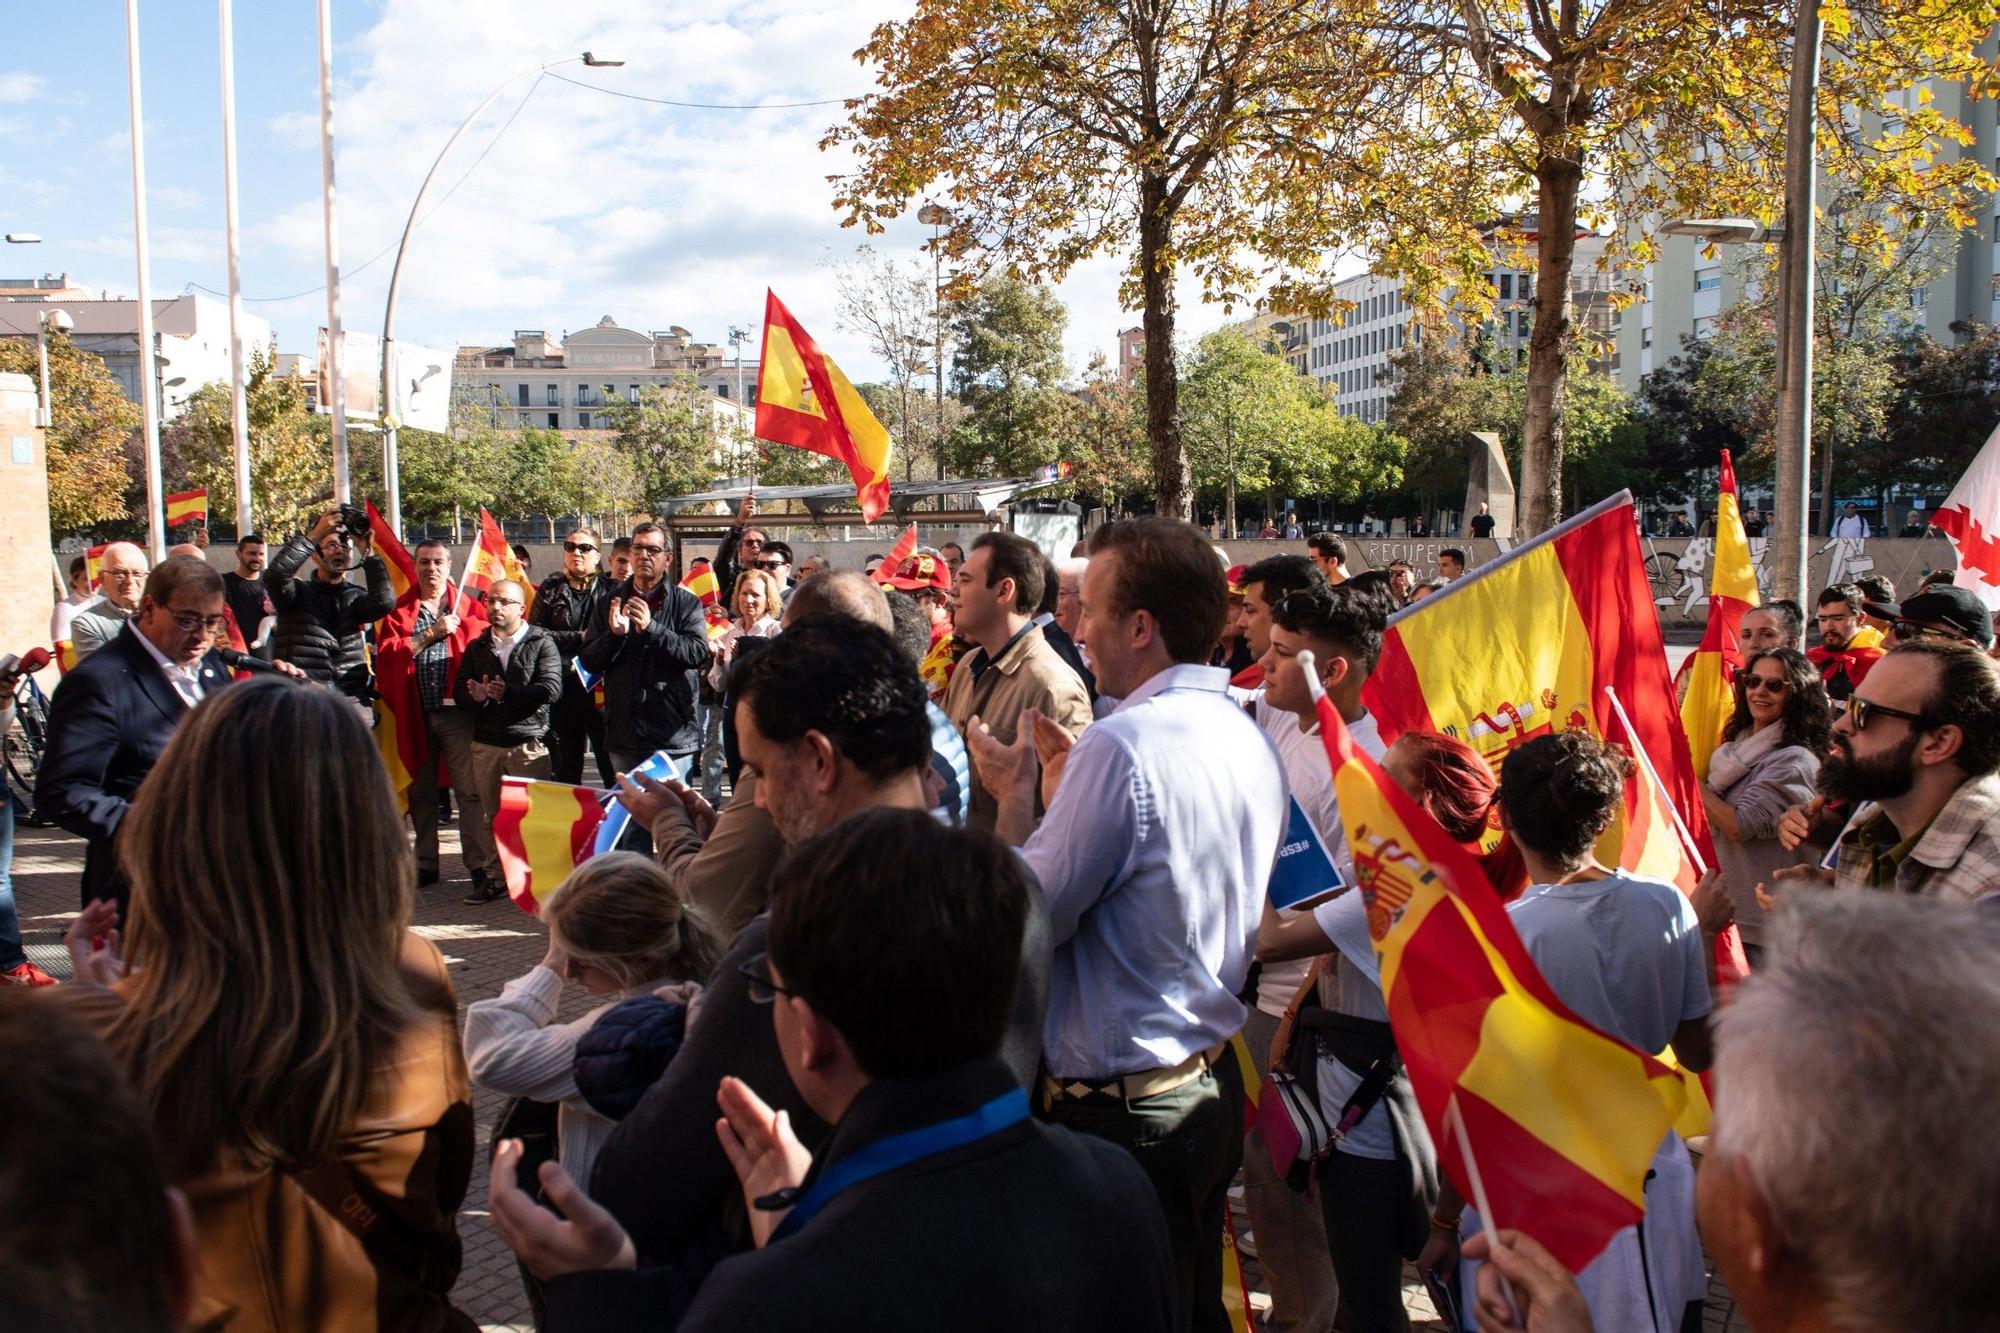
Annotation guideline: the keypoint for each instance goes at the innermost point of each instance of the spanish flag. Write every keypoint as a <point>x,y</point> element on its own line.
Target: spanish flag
<point>804,401</point>
<point>905,547</point>
<point>93,563</point>
<point>1526,646</point>
<point>543,831</point>
<point>187,507</point>
<point>402,568</point>
<point>1563,1118</point>
<point>706,588</point>
<point>1732,590</point>
<point>66,657</point>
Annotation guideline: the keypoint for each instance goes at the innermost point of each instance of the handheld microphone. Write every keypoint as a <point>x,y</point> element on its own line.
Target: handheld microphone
<point>241,661</point>
<point>27,665</point>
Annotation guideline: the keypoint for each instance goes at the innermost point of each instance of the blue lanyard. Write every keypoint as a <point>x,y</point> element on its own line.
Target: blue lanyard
<point>884,1155</point>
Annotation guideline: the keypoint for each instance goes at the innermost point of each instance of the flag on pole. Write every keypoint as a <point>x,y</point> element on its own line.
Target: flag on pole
<point>399,730</point>
<point>93,563</point>
<point>542,831</point>
<point>66,658</point>
<point>905,547</point>
<point>1732,590</point>
<point>187,507</point>
<point>1524,646</point>
<point>402,567</point>
<point>1970,516</point>
<point>804,401</point>
<point>1565,1118</point>
<point>707,589</point>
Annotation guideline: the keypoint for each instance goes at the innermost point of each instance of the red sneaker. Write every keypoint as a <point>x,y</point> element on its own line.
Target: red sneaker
<point>26,974</point>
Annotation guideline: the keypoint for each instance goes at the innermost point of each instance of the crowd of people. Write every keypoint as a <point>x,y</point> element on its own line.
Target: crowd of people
<point>917,1000</point>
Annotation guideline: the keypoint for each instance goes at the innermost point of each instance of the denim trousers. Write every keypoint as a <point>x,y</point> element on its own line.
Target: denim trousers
<point>11,953</point>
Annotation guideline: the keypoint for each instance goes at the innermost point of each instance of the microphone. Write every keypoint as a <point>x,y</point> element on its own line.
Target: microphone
<point>34,660</point>
<point>240,661</point>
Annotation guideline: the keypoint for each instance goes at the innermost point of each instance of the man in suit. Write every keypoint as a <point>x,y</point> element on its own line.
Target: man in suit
<point>508,679</point>
<point>113,715</point>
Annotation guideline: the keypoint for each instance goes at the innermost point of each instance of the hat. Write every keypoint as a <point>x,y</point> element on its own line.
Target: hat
<point>1958,610</point>
<point>922,573</point>
<point>1233,576</point>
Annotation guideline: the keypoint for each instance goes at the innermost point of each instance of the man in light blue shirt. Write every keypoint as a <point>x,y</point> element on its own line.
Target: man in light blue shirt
<point>1163,822</point>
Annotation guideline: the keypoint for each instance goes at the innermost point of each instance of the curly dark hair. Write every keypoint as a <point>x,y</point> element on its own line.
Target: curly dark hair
<point>1560,792</point>
<point>1808,717</point>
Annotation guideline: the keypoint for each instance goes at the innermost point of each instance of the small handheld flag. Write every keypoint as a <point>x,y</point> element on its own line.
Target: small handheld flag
<point>187,507</point>
<point>543,831</point>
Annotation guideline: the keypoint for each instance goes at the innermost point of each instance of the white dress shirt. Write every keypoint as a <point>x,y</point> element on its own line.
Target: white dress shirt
<point>1154,860</point>
<point>503,644</point>
<point>186,680</point>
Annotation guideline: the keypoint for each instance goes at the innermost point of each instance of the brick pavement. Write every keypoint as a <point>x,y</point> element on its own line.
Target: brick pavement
<point>485,947</point>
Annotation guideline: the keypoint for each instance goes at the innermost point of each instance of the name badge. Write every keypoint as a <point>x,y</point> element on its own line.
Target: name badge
<point>1304,873</point>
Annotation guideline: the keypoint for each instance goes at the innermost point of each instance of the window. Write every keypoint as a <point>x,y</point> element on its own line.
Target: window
<point>1704,327</point>
<point>1646,337</point>
<point>555,395</point>
<point>1708,279</point>
<point>632,394</point>
<point>555,420</point>
<point>521,394</point>
<point>1506,286</point>
<point>583,395</point>
<point>1527,287</point>
<point>583,421</point>
<point>1920,298</point>
<point>722,390</point>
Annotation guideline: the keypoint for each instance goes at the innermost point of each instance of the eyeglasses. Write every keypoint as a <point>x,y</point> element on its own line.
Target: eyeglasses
<point>752,542</point>
<point>757,971</point>
<point>122,575</point>
<point>578,548</point>
<point>504,601</point>
<point>1765,684</point>
<point>1910,629</point>
<point>638,549</point>
<point>770,564</point>
<point>1859,710</point>
<point>194,620</point>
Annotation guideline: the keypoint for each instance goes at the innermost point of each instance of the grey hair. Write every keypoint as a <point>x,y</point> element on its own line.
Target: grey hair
<point>1072,564</point>
<point>1856,1070</point>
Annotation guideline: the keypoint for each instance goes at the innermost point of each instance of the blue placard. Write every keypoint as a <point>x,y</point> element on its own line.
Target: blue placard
<point>1304,873</point>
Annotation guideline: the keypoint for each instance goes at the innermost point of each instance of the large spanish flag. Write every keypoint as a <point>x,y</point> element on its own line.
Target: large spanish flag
<point>1527,645</point>
<point>402,568</point>
<point>187,507</point>
<point>543,831</point>
<point>1562,1119</point>
<point>803,400</point>
<point>1732,590</point>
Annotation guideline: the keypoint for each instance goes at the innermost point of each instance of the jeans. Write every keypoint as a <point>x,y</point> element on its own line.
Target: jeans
<point>1291,1236</point>
<point>709,717</point>
<point>1361,1199</point>
<point>1189,1142</point>
<point>11,953</point>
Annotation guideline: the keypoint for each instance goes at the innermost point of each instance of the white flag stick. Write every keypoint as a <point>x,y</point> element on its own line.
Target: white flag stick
<point>470,556</point>
<point>1653,776</point>
<point>1455,1122</point>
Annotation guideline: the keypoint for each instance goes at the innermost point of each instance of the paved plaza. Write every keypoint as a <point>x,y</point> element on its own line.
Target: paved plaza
<point>485,947</point>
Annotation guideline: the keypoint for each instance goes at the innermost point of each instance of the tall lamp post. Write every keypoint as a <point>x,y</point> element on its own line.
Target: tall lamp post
<point>60,321</point>
<point>937,217</point>
<point>391,481</point>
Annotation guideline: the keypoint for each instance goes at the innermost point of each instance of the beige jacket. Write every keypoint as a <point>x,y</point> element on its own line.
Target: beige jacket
<point>1029,674</point>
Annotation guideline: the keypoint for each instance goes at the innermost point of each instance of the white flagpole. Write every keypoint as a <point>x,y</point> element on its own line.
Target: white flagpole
<point>336,396</point>
<point>1652,776</point>
<point>1455,1121</point>
<point>458,603</point>
<point>239,412</point>
<point>149,387</point>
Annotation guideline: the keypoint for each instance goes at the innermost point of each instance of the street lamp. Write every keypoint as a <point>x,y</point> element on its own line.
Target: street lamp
<point>1725,231</point>
<point>23,238</point>
<point>62,323</point>
<point>389,462</point>
<point>936,217</point>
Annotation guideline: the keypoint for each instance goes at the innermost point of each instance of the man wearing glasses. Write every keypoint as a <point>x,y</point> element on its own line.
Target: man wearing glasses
<point>567,605</point>
<point>775,559</point>
<point>648,646</point>
<point>113,714</point>
<point>508,680</point>
<point>741,549</point>
<point>120,576</point>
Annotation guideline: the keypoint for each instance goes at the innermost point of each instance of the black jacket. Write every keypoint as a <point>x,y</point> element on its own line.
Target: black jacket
<point>320,623</point>
<point>569,614</point>
<point>108,722</point>
<point>534,681</point>
<point>1031,1227</point>
<point>1059,639</point>
<point>649,676</point>
<point>662,1172</point>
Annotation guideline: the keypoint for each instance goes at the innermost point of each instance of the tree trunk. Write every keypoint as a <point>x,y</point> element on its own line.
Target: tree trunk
<point>1171,474</point>
<point>1540,486</point>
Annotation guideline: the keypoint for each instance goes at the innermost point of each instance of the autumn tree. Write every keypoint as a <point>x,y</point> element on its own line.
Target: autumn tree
<point>671,435</point>
<point>897,308</point>
<point>1153,129</point>
<point>1101,433</point>
<point>1008,372</point>
<point>291,463</point>
<point>91,420</point>
<point>1486,125</point>
<point>538,476</point>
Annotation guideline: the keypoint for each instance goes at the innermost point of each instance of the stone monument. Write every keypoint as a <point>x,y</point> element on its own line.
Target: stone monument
<point>1488,482</point>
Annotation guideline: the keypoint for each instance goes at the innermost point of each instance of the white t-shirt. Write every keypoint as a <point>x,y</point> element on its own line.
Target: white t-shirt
<point>1624,952</point>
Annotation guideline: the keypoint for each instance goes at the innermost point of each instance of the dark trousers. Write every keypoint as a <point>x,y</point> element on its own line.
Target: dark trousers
<point>574,722</point>
<point>11,953</point>
<point>1363,1201</point>
<point>1189,1142</point>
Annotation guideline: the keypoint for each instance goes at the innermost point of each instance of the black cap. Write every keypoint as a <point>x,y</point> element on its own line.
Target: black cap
<point>1947,607</point>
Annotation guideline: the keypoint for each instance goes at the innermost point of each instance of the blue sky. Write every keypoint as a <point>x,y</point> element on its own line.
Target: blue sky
<point>588,205</point>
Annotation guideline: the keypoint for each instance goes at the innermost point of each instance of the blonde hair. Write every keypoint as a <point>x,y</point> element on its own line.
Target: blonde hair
<point>622,914</point>
<point>774,594</point>
<point>271,889</point>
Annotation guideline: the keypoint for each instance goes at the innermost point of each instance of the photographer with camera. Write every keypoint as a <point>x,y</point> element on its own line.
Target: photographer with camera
<point>320,619</point>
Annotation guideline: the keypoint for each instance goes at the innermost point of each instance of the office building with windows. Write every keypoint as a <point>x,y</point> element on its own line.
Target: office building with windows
<point>569,384</point>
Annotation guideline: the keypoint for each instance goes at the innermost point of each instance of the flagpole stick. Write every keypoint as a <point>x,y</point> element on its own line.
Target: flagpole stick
<point>1653,777</point>
<point>458,604</point>
<point>1455,1121</point>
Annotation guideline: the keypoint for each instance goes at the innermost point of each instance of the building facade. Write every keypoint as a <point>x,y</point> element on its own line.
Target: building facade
<point>569,384</point>
<point>192,333</point>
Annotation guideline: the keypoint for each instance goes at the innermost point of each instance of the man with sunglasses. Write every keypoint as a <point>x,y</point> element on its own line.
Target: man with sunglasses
<point>1947,612</point>
<point>113,715</point>
<point>775,559</point>
<point>740,548</point>
<point>648,646</point>
<point>1919,743</point>
<point>567,606</point>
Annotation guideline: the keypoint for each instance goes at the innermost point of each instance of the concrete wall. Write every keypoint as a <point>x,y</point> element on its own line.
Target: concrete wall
<point>25,570</point>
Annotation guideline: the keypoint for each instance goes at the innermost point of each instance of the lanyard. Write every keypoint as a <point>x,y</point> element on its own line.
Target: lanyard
<point>884,1155</point>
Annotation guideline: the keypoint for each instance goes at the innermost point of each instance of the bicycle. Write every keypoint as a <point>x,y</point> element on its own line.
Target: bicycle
<point>25,743</point>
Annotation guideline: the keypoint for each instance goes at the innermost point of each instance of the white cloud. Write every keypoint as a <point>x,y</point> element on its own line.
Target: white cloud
<point>20,86</point>
<point>296,129</point>
<point>174,196</point>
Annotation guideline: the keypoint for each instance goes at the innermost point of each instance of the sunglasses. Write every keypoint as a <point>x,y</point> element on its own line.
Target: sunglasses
<point>770,564</point>
<point>1907,630</point>
<point>1765,684</point>
<point>751,542</point>
<point>578,548</point>
<point>1859,710</point>
<point>757,971</point>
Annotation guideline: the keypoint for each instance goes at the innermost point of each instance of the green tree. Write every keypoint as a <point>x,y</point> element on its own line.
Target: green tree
<point>605,479</point>
<point>538,476</point>
<point>1947,401</point>
<point>671,435</point>
<point>896,307</point>
<point>445,478</point>
<point>1008,371</point>
<point>1102,435</point>
<point>291,462</point>
<point>90,422</point>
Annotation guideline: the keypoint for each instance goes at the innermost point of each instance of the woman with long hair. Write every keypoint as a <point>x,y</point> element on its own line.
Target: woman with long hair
<point>618,927</point>
<point>293,1045</point>
<point>1770,754</point>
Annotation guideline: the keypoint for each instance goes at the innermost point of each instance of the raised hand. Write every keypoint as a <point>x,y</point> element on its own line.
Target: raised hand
<point>760,1144</point>
<point>94,944</point>
<point>584,1239</point>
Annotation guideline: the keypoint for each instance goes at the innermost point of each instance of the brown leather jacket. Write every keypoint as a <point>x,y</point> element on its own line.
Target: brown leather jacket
<point>272,1259</point>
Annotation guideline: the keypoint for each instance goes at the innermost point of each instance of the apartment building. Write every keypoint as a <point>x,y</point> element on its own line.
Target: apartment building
<point>191,334</point>
<point>568,384</point>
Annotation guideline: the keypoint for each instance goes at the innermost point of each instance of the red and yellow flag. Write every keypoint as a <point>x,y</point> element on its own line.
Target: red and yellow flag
<point>543,831</point>
<point>93,563</point>
<point>1526,645</point>
<point>905,547</point>
<point>1563,1119</point>
<point>706,588</point>
<point>804,401</point>
<point>66,657</point>
<point>187,507</point>
<point>492,559</point>
<point>402,568</point>
<point>1732,590</point>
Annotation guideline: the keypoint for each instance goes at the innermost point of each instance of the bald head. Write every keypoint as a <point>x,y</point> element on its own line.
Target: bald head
<point>122,575</point>
<point>186,548</point>
<point>841,593</point>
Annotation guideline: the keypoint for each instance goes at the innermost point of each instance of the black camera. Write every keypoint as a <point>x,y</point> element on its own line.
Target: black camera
<point>353,521</point>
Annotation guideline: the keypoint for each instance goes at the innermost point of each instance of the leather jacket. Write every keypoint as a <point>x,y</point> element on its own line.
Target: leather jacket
<point>320,624</point>
<point>649,675</point>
